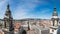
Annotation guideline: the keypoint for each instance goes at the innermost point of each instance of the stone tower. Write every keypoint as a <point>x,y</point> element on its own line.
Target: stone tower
<point>8,20</point>
<point>54,21</point>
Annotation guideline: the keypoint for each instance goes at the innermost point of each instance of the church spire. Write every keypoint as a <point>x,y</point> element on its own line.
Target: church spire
<point>8,6</point>
<point>8,12</point>
<point>55,12</point>
<point>8,20</point>
<point>54,21</point>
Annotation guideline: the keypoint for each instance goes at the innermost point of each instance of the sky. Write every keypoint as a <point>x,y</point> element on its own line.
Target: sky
<point>21,9</point>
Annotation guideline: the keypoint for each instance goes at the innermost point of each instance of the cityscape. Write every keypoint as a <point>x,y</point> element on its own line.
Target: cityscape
<point>31,23</point>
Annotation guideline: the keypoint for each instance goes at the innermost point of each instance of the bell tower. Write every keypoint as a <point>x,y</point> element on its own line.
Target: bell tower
<point>54,21</point>
<point>8,20</point>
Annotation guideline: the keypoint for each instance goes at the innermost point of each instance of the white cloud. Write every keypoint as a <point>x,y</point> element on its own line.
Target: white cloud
<point>2,3</point>
<point>20,13</point>
<point>45,13</point>
<point>25,7</point>
<point>31,3</point>
<point>46,10</point>
<point>2,7</point>
<point>22,9</point>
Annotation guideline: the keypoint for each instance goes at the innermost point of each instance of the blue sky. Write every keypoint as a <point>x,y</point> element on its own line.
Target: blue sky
<point>30,8</point>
